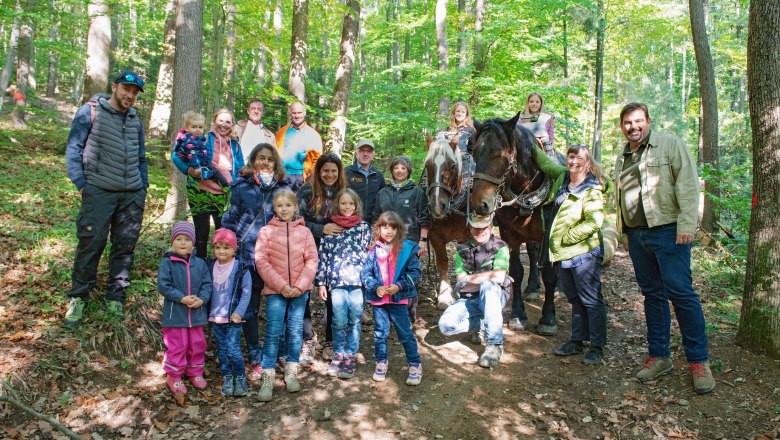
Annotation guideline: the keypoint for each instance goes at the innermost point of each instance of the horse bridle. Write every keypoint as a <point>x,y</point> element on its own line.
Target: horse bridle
<point>455,198</point>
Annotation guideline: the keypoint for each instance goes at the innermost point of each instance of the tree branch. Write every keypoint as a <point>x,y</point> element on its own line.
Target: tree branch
<point>6,397</point>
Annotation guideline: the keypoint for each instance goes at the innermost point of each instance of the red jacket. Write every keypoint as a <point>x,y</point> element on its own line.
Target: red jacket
<point>285,253</point>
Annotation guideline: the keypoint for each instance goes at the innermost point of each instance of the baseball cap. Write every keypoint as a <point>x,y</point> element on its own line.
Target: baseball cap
<point>130,77</point>
<point>364,143</point>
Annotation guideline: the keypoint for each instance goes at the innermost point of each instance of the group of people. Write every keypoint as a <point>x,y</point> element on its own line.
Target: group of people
<point>298,223</point>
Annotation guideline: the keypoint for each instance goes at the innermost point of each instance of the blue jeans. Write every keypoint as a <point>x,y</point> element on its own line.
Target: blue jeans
<point>663,272</point>
<point>347,312</point>
<point>399,314</point>
<point>582,286</point>
<point>278,330</point>
<point>467,314</point>
<point>228,341</point>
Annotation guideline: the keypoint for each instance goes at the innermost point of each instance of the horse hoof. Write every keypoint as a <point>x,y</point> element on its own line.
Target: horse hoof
<point>547,330</point>
<point>517,325</point>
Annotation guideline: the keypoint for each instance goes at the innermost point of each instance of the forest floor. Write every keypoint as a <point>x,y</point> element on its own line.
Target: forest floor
<point>104,379</point>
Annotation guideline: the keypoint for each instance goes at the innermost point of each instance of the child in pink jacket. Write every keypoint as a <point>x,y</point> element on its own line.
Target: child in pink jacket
<point>286,259</point>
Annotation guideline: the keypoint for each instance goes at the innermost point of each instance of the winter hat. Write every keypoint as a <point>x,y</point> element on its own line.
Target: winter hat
<point>183,228</point>
<point>405,161</point>
<point>224,235</point>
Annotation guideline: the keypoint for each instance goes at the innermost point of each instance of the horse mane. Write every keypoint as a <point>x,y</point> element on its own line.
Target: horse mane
<point>443,147</point>
<point>520,139</point>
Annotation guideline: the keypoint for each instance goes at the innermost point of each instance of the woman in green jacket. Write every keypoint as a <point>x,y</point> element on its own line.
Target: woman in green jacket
<point>573,222</point>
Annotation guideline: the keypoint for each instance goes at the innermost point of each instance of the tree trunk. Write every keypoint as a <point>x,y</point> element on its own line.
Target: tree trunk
<point>161,110</point>
<point>480,52</point>
<point>349,34</point>
<point>98,49</point>
<point>276,74</point>
<point>443,49</point>
<point>231,55</point>
<point>599,92</point>
<point>300,33</point>
<point>51,81</point>
<point>363,65</point>
<point>709,103</point>
<point>187,65</point>
<point>683,95</point>
<point>23,67</point>
<point>566,61</point>
<point>216,84</point>
<point>262,55</point>
<point>462,40</point>
<point>13,44</point>
<point>759,325</point>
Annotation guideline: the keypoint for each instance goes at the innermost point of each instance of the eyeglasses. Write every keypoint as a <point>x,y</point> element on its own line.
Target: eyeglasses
<point>135,79</point>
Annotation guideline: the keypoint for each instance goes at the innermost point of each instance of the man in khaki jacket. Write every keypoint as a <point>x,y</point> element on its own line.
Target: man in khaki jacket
<point>658,206</point>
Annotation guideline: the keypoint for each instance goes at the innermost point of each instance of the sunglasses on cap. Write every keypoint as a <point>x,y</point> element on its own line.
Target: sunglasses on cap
<point>135,79</point>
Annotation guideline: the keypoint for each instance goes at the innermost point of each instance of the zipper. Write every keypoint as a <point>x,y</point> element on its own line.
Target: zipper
<point>289,269</point>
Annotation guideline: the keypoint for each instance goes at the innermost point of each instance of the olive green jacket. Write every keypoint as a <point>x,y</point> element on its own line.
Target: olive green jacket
<point>670,184</point>
<point>576,228</point>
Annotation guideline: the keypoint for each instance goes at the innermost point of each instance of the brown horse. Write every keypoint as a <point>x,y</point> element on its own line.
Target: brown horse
<point>447,202</point>
<point>508,182</point>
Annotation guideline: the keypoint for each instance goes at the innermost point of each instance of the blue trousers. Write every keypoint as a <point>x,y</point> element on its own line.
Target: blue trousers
<point>347,312</point>
<point>278,330</point>
<point>582,286</point>
<point>228,341</point>
<point>466,314</point>
<point>399,315</point>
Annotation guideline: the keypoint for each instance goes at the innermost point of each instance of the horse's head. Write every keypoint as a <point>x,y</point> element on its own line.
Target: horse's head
<point>443,170</point>
<point>502,153</point>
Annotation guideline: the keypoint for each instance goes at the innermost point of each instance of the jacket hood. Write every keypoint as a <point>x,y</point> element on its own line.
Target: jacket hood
<point>297,220</point>
<point>591,182</point>
<point>169,254</point>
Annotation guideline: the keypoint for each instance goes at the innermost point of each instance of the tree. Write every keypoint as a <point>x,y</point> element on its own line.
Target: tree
<point>51,80</point>
<point>5,78</point>
<point>23,66</point>
<point>298,50</point>
<point>443,49</point>
<point>186,87</point>
<point>231,55</point>
<point>349,34</point>
<point>709,105</point>
<point>161,110</point>
<point>599,93</point>
<point>98,49</point>
<point>759,325</point>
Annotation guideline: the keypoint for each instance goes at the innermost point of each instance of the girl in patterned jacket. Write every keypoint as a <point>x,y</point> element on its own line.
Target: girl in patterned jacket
<point>341,259</point>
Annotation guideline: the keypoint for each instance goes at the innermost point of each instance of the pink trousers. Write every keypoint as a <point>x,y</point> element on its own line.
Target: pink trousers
<point>186,351</point>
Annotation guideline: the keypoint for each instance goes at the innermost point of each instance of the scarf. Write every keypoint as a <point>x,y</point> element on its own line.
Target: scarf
<point>222,272</point>
<point>399,185</point>
<point>346,222</point>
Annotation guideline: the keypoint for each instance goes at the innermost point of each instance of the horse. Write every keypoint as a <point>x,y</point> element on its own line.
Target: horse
<point>506,170</point>
<point>446,191</point>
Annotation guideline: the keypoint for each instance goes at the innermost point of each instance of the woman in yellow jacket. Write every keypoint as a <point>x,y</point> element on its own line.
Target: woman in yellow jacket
<point>573,228</point>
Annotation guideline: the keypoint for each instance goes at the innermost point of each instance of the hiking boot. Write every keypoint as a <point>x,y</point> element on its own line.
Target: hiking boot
<point>75,312</point>
<point>515,324</point>
<point>199,382</point>
<point>415,374</point>
<point>491,356</point>
<point>703,382</point>
<point>255,372</point>
<point>348,366</point>
<point>267,388</point>
<point>115,310</point>
<point>653,368</point>
<point>593,356</point>
<point>240,388</point>
<point>291,377</point>
<point>335,365</point>
<point>227,386</point>
<point>327,351</point>
<point>308,351</point>
<point>569,348</point>
<point>478,337</point>
<point>176,385</point>
<point>380,371</point>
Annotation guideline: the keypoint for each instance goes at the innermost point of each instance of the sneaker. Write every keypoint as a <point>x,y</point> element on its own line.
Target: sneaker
<point>281,361</point>
<point>593,356</point>
<point>308,351</point>
<point>255,372</point>
<point>653,368</point>
<point>569,348</point>
<point>348,366</point>
<point>176,385</point>
<point>703,382</point>
<point>115,310</point>
<point>327,351</point>
<point>267,388</point>
<point>491,356</point>
<point>75,312</point>
<point>227,386</point>
<point>515,324</point>
<point>415,374</point>
<point>241,388</point>
<point>380,371</point>
<point>335,365</point>
<point>199,382</point>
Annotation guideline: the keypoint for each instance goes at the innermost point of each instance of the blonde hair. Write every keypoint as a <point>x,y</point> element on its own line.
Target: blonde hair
<point>233,133</point>
<point>192,117</point>
<point>541,107</point>
<point>288,195</point>
<point>468,122</point>
<point>355,198</point>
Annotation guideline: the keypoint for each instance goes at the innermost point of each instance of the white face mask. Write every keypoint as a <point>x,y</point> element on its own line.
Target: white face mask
<point>266,178</point>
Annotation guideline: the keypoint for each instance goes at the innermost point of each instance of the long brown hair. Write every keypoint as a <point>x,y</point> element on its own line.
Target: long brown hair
<point>390,218</point>
<point>541,107</point>
<point>249,167</point>
<point>318,187</point>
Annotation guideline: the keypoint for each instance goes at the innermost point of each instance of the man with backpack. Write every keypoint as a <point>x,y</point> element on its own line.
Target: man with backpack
<point>106,160</point>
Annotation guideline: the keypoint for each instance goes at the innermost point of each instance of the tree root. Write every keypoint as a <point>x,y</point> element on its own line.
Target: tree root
<point>9,395</point>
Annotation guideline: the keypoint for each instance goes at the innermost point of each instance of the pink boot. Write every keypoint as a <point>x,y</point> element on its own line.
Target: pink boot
<point>199,382</point>
<point>176,385</point>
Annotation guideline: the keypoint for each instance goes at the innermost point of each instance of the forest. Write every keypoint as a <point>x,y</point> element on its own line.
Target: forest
<point>389,71</point>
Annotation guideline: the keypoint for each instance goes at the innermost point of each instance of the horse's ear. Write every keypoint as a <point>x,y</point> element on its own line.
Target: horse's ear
<point>477,125</point>
<point>510,125</point>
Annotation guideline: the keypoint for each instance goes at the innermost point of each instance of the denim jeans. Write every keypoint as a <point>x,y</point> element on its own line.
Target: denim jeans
<point>663,272</point>
<point>467,314</point>
<point>347,312</point>
<point>582,286</point>
<point>399,314</point>
<point>227,338</point>
<point>280,330</point>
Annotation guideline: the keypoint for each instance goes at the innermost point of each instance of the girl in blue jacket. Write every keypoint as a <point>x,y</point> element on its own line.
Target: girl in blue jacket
<point>185,283</point>
<point>389,277</point>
